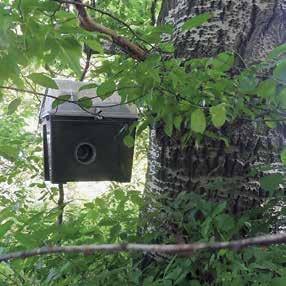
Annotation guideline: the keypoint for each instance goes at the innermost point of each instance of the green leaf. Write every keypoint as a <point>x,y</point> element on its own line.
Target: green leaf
<point>142,126</point>
<point>5,227</point>
<point>279,72</point>
<point>267,88</point>
<point>218,115</point>
<point>277,51</point>
<point>70,52</point>
<point>196,21</point>
<point>9,152</point>
<point>271,182</point>
<point>168,128</point>
<point>88,86</point>
<point>43,80</point>
<point>283,156</point>
<point>60,100</point>
<point>155,34</point>
<point>198,121</point>
<point>270,122</point>
<point>178,122</point>
<point>106,89</point>
<point>85,102</point>
<point>223,62</point>
<point>129,141</point>
<point>13,105</point>
<point>282,98</point>
<point>225,222</point>
<point>95,46</point>
<point>114,231</point>
<point>247,83</point>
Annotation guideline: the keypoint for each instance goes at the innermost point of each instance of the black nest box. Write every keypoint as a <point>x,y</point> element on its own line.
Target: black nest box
<point>85,145</point>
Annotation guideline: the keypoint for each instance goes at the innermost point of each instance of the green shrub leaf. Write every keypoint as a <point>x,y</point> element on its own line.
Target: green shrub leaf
<point>218,115</point>
<point>43,80</point>
<point>196,21</point>
<point>198,121</point>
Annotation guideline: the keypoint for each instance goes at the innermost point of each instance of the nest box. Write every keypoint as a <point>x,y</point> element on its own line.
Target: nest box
<point>85,145</point>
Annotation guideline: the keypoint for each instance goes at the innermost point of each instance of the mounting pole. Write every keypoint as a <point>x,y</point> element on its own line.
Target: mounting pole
<point>61,204</point>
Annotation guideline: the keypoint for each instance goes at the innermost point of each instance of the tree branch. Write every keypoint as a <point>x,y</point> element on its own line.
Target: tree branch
<point>175,249</point>
<point>106,13</point>
<point>88,24</point>
<point>88,52</point>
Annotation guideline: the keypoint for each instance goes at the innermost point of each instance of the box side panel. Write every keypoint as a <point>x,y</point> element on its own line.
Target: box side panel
<point>126,157</point>
<point>46,154</point>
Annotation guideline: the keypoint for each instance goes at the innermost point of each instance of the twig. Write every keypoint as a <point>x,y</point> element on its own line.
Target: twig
<point>61,204</point>
<point>175,249</point>
<point>87,63</point>
<point>29,91</point>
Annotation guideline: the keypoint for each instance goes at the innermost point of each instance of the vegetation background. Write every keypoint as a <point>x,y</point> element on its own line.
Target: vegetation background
<point>187,99</point>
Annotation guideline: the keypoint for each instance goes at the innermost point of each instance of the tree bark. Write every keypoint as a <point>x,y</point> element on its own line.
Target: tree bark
<point>250,29</point>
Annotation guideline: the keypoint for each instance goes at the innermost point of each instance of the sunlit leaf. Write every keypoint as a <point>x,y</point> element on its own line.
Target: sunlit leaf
<point>196,21</point>
<point>95,45</point>
<point>88,86</point>
<point>43,80</point>
<point>13,105</point>
<point>60,100</point>
<point>218,115</point>
<point>280,72</point>
<point>85,102</point>
<point>283,156</point>
<point>198,121</point>
<point>223,62</point>
<point>128,140</point>
<point>267,88</point>
<point>106,89</point>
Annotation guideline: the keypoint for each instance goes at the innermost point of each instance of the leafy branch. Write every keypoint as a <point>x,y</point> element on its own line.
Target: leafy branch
<point>175,249</point>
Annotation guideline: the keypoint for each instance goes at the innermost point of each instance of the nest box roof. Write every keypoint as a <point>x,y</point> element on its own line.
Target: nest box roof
<point>109,107</point>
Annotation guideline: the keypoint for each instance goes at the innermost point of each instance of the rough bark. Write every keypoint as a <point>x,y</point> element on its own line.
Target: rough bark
<point>250,28</point>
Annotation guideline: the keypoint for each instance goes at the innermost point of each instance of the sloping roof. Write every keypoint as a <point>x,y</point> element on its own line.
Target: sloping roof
<point>110,107</point>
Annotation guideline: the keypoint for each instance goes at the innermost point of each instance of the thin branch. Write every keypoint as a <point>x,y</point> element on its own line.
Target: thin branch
<point>61,204</point>
<point>88,24</point>
<point>43,94</point>
<point>87,63</point>
<point>175,249</point>
<point>26,91</point>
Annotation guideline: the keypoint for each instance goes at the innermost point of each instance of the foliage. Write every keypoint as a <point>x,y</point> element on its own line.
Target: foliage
<point>114,218</point>
<point>193,94</point>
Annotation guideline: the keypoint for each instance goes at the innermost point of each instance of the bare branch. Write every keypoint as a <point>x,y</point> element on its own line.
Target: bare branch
<point>87,63</point>
<point>33,92</point>
<point>175,249</point>
<point>61,204</point>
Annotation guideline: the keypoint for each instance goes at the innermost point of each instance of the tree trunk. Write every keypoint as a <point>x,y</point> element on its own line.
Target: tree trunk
<point>251,29</point>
